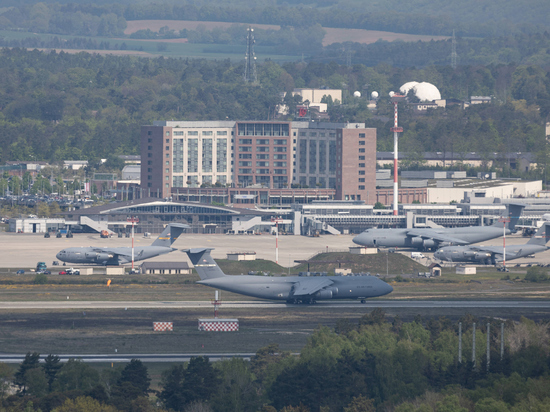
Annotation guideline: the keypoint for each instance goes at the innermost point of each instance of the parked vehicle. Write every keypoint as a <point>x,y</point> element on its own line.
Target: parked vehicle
<point>20,272</point>
<point>40,266</point>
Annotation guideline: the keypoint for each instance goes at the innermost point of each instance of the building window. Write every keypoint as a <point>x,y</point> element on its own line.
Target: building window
<point>262,141</point>
<point>361,187</point>
<point>149,155</point>
<point>167,185</point>
<point>361,134</point>
<point>167,163</point>
<point>245,141</point>
<point>166,170</point>
<point>149,133</point>
<point>149,184</point>
<point>361,172</point>
<point>192,133</point>
<point>362,150</point>
<point>167,133</point>
<point>361,157</point>
<point>167,147</point>
<point>167,155</point>
<point>207,133</point>
<point>362,143</point>
<point>221,132</point>
<point>279,141</point>
<point>149,147</point>
<point>149,140</point>
<point>361,164</point>
<point>361,180</point>
<point>149,170</point>
<point>177,134</point>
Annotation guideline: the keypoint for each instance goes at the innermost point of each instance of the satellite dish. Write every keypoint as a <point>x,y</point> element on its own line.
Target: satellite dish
<point>357,93</point>
<point>374,95</point>
<point>392,93</point>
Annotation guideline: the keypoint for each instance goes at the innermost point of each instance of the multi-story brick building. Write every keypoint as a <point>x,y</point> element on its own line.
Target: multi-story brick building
<point>262,154</point>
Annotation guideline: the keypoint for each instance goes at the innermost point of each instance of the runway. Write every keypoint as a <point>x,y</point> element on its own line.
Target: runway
<point>407,304</point>
<point>147,357</point>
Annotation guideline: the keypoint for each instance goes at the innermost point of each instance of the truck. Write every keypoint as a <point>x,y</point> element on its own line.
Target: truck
<point>41,266</point>
<point>104,234</point>
<point>417,255</point>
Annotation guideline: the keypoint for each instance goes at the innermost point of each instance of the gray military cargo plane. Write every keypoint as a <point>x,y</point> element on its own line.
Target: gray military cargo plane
<point>114,256</point>
<point>431,239</point>
<point>492,255</point>
<point>293,289</point>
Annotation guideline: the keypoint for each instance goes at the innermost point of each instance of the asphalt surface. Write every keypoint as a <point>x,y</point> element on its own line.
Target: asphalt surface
<point>24,250</point>
<point>144,357</point>
<point>412,304</point>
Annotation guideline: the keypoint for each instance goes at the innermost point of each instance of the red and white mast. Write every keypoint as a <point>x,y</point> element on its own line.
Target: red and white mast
<point>395,129</point>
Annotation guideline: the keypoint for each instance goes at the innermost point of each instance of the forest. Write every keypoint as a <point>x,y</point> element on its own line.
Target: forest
<point>60,106</point>
<point>373,363</point>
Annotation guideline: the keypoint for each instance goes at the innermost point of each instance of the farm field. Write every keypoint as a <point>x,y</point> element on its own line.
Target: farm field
<point>332,35</point>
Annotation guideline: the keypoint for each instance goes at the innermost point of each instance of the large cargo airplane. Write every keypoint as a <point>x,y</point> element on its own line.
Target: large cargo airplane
<point>114,256</point>
<point>431,239</point>
<point>293,289</point>
<point>492,255</point>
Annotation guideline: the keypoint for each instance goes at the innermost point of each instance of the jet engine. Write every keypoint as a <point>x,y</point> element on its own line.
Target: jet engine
<point>482,255</point>
<point>470,254</point>
<point>327,293</point>
<point>417,241</point>
<point>99,257</point>
<point>429,243</point>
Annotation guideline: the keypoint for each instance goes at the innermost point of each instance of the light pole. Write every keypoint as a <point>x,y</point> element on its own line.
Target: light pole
<point>133,220</point>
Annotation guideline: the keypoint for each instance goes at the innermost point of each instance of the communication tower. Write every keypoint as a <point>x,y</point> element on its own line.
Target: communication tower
<point>250,75</point>
<point>453,52</point>
<point>395,98</point>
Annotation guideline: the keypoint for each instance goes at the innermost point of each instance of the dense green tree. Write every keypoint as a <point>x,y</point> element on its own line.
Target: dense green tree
<point>31,361</point>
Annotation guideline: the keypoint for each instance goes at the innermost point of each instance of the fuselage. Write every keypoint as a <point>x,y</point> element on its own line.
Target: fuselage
<point>281,288</point>
<point>491,254</point>
<point>111,255</point>
<point>400,238</point>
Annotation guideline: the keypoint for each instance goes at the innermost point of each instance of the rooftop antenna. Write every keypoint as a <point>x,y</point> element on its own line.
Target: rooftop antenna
<point>250,75</point>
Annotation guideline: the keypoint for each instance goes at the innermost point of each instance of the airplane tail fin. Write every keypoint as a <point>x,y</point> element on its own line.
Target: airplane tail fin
<point>514,213</point>
<point>542,236</point>
<point>170,234</point>
<point>205,265</point>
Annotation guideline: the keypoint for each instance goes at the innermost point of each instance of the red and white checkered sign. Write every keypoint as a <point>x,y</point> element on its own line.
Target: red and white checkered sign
<point>221,325</point>
<point>163,326</point>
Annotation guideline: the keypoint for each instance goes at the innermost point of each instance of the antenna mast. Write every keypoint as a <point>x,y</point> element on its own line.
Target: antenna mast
<point>250,75</point>
<point>453,52</point>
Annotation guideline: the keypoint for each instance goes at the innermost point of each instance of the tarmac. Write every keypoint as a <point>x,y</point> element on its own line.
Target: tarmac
<point>24,250</point>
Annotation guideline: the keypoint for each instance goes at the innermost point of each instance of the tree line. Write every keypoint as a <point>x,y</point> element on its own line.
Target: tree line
<point>60,106</point>
<point>366,365</point>
<point>419,17</point>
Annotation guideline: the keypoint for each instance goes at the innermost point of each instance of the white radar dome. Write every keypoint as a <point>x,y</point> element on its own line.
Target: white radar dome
<point>374,95</point>
<point>424,91</point>
<point>357,93</point>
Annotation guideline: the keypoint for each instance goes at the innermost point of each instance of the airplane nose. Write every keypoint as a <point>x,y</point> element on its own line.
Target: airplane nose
<point>388,289</point>
<point>360,240</point>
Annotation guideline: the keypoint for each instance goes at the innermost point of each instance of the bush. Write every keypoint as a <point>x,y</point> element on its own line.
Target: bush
<point>536,274</point>
<point>40,279</point>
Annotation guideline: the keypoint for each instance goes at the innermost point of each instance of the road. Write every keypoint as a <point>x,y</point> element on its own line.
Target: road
<point>412,304</point>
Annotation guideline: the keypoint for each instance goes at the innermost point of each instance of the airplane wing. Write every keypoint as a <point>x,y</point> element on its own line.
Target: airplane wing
<point>308,286</point>
<point>432,234</point>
